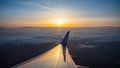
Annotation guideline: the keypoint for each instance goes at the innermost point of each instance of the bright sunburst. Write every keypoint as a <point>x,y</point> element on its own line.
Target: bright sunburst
<point>59,21</point>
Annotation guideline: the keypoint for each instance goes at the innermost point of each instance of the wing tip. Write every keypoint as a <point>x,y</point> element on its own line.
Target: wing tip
<point>64,44</point>
<point>65,39</point>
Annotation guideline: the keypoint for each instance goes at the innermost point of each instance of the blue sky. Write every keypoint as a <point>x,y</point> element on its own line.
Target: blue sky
<point>25,10</point>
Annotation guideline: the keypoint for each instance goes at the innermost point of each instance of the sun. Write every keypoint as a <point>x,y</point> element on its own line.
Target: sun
<point>59,21</point>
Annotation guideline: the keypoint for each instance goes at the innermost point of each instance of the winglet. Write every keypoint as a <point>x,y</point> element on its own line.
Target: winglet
<point>64,44</point>
<point>65,39</point>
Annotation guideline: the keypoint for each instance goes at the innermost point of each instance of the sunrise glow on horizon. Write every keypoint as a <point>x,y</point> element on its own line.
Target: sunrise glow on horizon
<point>59,13</point>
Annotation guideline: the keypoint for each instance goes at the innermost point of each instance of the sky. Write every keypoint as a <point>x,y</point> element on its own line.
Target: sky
<point>72,13</point>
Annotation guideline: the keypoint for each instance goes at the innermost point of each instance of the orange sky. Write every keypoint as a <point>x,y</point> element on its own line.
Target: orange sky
<point>64,24</point>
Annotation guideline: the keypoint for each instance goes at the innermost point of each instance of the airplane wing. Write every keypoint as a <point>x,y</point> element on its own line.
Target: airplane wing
<point>57,57</point>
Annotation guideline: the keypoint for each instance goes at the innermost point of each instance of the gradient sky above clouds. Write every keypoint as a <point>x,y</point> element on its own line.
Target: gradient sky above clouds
<point>74,12</point>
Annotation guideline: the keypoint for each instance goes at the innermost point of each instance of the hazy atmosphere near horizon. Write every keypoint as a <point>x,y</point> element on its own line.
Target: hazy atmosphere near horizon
<point>29,28</point>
